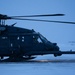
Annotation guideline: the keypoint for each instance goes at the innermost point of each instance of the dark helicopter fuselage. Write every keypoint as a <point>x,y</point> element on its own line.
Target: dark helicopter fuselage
<point>15,41</point>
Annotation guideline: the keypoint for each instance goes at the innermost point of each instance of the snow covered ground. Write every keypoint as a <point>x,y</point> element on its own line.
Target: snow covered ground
<point>42,65</point>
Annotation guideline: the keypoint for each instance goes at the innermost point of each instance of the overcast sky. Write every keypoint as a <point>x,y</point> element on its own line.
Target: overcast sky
<point>55,32</point>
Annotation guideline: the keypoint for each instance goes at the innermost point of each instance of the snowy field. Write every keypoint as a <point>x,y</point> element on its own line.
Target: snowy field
<point>42,65</point>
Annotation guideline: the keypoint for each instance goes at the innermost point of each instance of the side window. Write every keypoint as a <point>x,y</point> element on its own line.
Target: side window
<point>39,40</point>
<point>18,38</point>
<point>22,38</point>
<point>36,39</point>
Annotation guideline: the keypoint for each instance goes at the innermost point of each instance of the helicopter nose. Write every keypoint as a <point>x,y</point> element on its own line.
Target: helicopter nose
<point>55,47</point>
<point>55,44</point>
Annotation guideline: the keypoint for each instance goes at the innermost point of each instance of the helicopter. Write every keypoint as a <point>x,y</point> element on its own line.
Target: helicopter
<point>16,42</point>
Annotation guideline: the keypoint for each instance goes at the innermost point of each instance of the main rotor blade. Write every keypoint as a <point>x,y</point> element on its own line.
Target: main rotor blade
<point>44,15</point>
<point>5,17</point>
<point>44,20</point>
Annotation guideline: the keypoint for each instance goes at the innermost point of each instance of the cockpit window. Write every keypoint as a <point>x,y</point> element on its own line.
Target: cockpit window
<point>40,39</point>
<point>37,39</point>
<point>43,38</point>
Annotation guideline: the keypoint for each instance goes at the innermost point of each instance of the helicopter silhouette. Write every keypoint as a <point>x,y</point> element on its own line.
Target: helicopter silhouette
<point>16,42</point>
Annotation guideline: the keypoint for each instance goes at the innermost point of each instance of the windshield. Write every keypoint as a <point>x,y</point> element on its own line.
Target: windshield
<point>40,39</point>
<point>43,38</point>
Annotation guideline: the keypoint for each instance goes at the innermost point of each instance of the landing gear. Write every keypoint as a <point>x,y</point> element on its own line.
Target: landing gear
<point>20,58</point>
<point>28,57</point>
